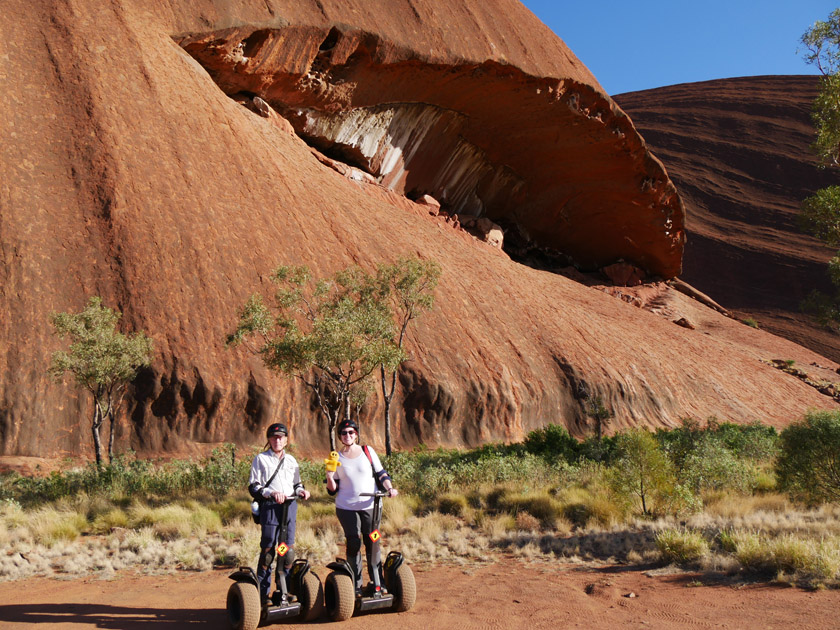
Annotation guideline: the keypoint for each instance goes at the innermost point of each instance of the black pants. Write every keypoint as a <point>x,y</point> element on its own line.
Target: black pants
<point>357,526</point>
<point>270,515</point>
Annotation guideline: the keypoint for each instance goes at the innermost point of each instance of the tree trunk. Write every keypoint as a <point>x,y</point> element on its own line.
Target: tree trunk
<point>388,396</point>
<point>110,415</point>
<point>97,443</point>
<point>111,435</point>
<point>331,429</point>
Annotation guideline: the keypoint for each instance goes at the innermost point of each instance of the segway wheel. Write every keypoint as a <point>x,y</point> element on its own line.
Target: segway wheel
<point>243,606</point>
<point>311,597</point>
<point>339,596</point>
<point>403,588</point>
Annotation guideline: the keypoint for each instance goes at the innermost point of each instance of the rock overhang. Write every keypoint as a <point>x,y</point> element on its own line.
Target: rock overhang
<point>554,156</point>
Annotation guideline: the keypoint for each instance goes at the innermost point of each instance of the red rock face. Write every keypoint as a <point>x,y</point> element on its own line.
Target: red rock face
<point>456,131</point>
<point>129,174</point>
<point>738,150</point>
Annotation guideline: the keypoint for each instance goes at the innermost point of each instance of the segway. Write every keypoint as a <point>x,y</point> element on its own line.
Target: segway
<point>399,594</point>
<point>302,599</point>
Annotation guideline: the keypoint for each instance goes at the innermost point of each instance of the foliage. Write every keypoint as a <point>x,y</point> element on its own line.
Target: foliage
<point>411,283</point>
<point>596,410</point>
<point>822,42</point>
<point>331,334</point>
<point>100,359</point>
<point>719,455</point>
<point>552,441</point>
<point>642,474</point>
<point>820,213</point>
<point>822,45</point>
<point>432,474</point>
<point>126,477</point>
<point>808,466</point>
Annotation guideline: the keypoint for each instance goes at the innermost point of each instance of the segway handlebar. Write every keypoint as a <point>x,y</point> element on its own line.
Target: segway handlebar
<point>378,494</point>
<point>289,499</point>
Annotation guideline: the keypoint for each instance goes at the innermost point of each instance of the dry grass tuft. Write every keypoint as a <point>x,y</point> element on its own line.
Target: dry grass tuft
<point>50,526</point>
<point>396,513</point>
<point>730,506</point>
<point>681,547</point>
<point>106,522</point>
<point>170,522</point>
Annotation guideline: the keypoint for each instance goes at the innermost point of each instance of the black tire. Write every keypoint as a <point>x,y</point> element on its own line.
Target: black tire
<point>403,588</point>
<point>339,596</point>
<point>243,606</point>
<point>311,597</point>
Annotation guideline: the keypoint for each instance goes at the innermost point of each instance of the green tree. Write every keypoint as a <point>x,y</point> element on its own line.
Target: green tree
<point>820,213</point>
<point>331,334</point>
<point>822,49</point>
<point>642,474</point>
<point>808,466</point>
<point>410,283</point>
<point>100,359</point>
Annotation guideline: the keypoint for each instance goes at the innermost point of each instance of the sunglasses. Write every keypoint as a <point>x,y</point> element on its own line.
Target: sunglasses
<point>347,433</point>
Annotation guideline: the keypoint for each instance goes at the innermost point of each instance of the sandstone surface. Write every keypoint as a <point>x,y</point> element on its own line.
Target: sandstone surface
<point>738,151</point>
<point>128,173</point>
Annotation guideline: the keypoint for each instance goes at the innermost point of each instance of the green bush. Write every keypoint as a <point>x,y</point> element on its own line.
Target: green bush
<point>552,441</point>
<point>808,466</point>
<point>642,474</point>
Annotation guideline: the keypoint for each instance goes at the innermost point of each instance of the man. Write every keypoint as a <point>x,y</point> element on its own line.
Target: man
<point>275,478</point>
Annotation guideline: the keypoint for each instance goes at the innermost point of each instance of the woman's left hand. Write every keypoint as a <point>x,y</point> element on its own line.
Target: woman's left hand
<point>305,494</point>
<point>392,492</point>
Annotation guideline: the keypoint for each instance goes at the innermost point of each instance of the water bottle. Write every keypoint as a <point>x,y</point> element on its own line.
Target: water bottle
<point>255,509</point>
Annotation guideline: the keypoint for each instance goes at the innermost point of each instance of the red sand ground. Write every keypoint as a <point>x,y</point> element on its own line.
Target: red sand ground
<point>504,596</point>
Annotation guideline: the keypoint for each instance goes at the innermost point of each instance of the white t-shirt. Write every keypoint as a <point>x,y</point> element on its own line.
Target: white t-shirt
<point>356,477</point>
<point>287,479</point>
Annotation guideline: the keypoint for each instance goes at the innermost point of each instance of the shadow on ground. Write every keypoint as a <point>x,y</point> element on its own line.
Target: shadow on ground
<point>115,617</point>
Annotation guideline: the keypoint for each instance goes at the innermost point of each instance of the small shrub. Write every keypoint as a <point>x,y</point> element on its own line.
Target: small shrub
<point>808,466</point>
<point>527,522</point>
<point>790,553</point>
<point>552,441</point>
<point>104,523</point>
<point>642,475</point>
<point>750,551</point>
<point>749,321</point>
<point>681,546</point>
<point>581,508</point>
<point>454,504</point>
<point>539,505</point>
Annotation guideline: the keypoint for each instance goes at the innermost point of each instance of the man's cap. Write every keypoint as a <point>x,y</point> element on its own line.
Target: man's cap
<point>278,428</point>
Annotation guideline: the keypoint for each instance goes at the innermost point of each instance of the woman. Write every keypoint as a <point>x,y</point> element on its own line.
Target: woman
<point>357,474</point>
<point>275,476</point>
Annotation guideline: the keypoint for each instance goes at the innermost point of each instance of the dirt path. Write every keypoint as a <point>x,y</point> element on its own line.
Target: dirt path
<point>509,595</point>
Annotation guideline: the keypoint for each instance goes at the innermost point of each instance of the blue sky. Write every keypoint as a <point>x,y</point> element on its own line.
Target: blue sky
<point>637,45</point>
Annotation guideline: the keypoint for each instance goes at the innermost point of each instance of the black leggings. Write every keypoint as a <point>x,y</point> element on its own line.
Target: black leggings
<point>357,526</point>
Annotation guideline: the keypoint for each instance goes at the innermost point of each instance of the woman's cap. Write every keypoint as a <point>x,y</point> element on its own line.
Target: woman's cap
<point>347,424</point>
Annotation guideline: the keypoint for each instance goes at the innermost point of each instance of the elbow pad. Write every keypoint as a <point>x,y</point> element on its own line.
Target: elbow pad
<point>332,493</point>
